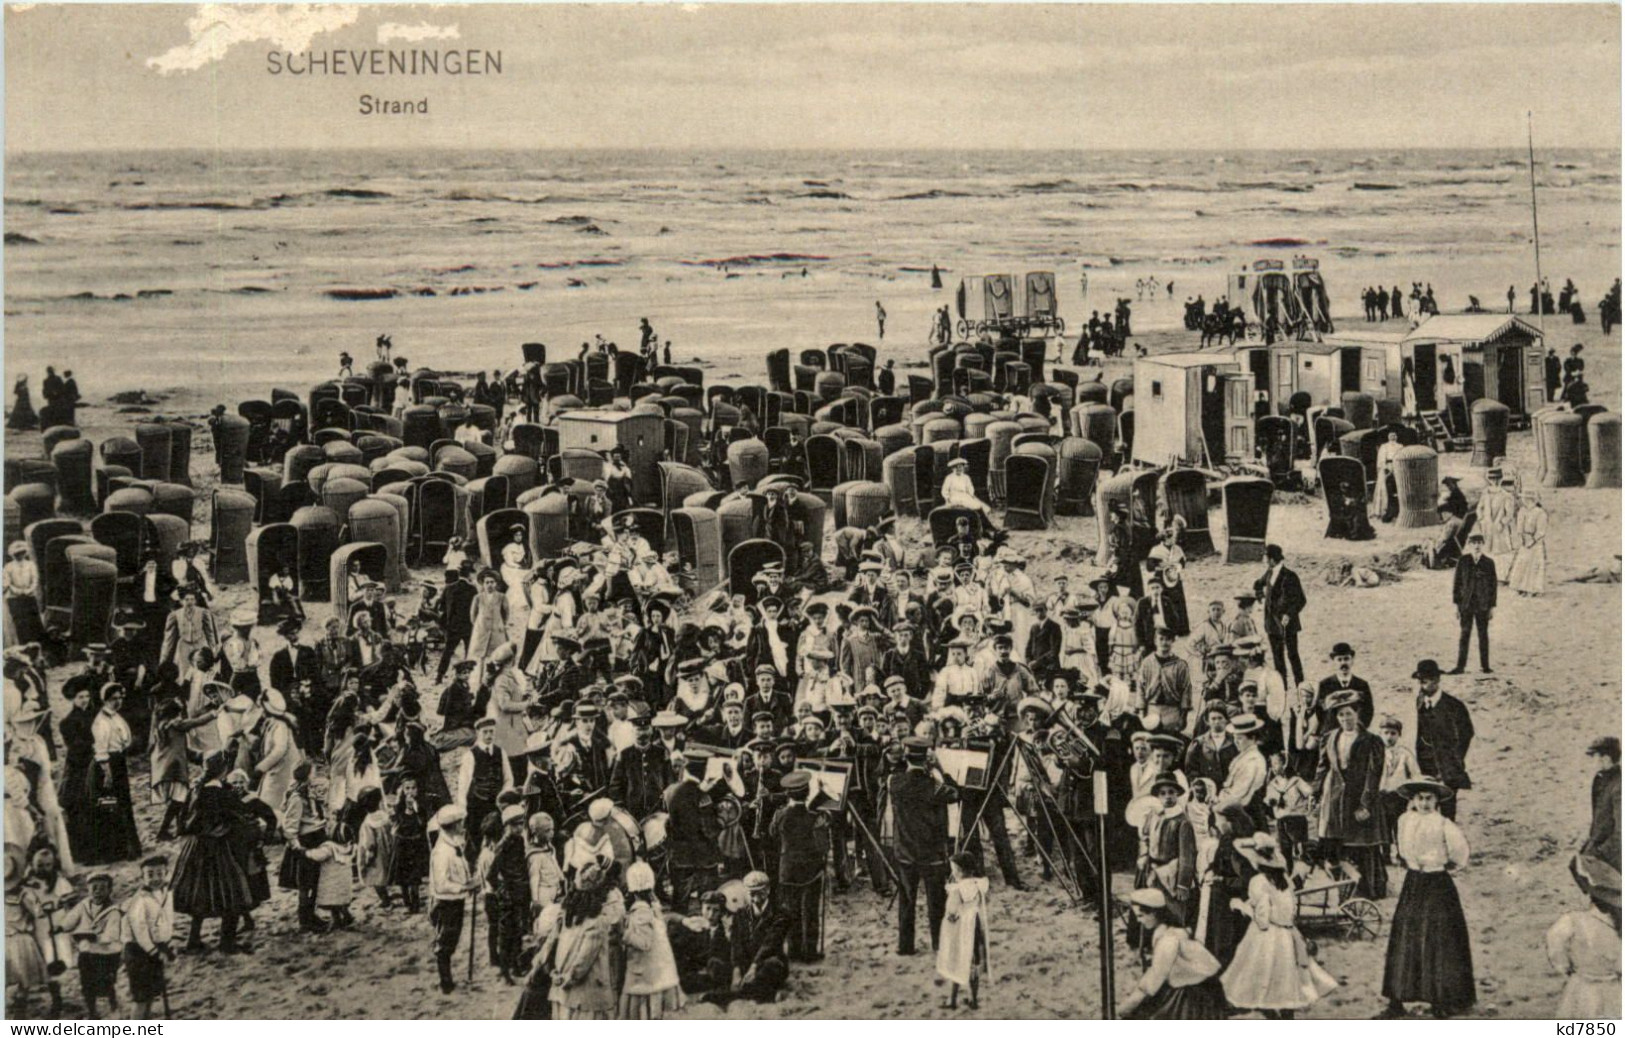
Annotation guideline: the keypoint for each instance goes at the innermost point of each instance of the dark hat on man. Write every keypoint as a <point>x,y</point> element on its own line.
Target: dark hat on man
<point>1426,669</point>
<point>1165,780</point>
<point>1341,649</point>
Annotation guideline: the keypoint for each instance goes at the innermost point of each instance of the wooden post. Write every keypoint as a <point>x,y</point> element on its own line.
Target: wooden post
<point>1108,994</point>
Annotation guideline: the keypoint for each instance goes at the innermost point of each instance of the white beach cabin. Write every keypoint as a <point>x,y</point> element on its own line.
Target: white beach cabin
<point>1193,409</point>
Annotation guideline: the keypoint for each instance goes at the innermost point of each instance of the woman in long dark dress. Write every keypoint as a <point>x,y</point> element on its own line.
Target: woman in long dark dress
<point>1228,877</point>
<point>1182,980</point>
<point>73,794</point>
<point>209,881</point>
<point>113,835</point>
<point>255,823</point>
<point>22,414</point>
<point>1348,783</point>
<point>1430,958</point>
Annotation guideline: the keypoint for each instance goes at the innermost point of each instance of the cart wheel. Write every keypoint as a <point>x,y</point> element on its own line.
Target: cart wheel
<point>1362,919</point>
<point>1060,325</point>
<point>963,327</point>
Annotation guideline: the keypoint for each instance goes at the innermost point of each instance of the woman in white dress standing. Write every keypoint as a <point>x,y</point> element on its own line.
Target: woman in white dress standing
<point>1528,576</point>
<point>1271,970</point>
<point>1385,503</point>
<point>515,573</point>
<point>1498,519</point>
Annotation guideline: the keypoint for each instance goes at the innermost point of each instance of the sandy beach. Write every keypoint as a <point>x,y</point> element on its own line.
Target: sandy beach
<point>1557,686</point>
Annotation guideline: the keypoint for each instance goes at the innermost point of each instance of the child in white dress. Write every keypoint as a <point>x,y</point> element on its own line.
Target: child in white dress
<point>1272,970</point>
<point>962,949</point>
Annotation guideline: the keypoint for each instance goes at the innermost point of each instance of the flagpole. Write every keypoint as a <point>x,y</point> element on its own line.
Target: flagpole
<point>1534,210</point>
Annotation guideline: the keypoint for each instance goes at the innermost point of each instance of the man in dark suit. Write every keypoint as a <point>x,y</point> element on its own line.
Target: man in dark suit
<point>456,605</point>
<point>641,773</point>
<point>1444,731</point>
<point>1344,680</point>
<point>758,935</point>
<point>293,663</point>
<point>1282,594</point>
<point>1474,595</point>
<point>920,813</point>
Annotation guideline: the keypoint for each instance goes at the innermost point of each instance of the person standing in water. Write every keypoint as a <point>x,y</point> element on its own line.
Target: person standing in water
<point>880,318</point>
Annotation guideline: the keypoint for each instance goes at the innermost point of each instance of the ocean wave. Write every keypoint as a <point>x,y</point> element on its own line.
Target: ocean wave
<point>139,207</point>
<point>571,264</point>
<point>1361,185</point>
<point>756,259</point>
<point>1045,186</point>
<point>1263,185</point>
<point>936,192</point>
<point>14,238</point>
<point>826,194</point>
<point>356,192</point>
<point>360,294</point>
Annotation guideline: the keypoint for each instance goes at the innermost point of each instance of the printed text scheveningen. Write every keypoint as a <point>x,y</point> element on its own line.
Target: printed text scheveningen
<point>380,61</point>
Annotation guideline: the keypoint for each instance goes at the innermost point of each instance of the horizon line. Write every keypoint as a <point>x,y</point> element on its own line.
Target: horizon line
<point>1518,146</point>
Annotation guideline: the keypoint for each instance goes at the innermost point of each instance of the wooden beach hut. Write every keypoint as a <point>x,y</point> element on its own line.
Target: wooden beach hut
<point>1191,408</point>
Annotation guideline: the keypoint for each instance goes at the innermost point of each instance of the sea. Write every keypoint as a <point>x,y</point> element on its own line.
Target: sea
<point>178,269</point>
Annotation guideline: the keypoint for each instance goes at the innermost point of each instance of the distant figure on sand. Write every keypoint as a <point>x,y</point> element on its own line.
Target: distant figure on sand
<point>346,365</point>
<point>384,345</point>
<point>22,408</point>
<point>880,318</point>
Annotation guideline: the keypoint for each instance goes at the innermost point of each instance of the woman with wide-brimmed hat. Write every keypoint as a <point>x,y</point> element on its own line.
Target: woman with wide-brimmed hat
<point>1584,945</point>
<point>1181,981</point>
<point>1349,783</point>
<point>1272,970</point>
<point>1429,958</point>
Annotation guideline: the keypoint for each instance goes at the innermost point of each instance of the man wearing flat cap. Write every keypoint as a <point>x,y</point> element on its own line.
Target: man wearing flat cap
<point>1007,681</point>
<point>1474,595</point>
<point>906,658</point>
<point>803,839</point>
<point>920,813</point>
<point>483,776</point>
<point>769,698</point>
<point>449,886</point>
<point>642,772</point>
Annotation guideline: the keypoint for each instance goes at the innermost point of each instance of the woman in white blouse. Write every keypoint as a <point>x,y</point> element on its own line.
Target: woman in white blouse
<point>114,837</point>
<point>1429,956</point>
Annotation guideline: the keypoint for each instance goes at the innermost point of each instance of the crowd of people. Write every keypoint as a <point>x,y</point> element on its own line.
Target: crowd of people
<point>647,793</point>
<point>1106,336</point>
<point>1381,303</point>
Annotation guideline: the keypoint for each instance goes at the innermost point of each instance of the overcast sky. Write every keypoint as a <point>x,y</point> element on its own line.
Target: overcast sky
<point>847,76</point>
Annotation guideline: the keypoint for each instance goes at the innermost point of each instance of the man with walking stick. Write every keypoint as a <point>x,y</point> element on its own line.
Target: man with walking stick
<point>449,885</point>
<point>149,921</point>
